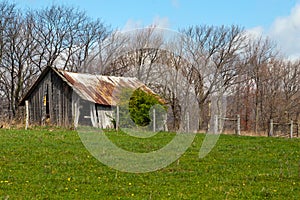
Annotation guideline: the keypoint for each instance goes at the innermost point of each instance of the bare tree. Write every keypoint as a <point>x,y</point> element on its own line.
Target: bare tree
<point>139,53</point>
<point>151,56</point>
<point>66,38</point>
<point>16,49</point>
<point>258,55</point>
<point>291,90</point>
<point>7,12</point>
<point>214,52</point>
<point>58,36</point>
<point>88,47</point>
<point>205,61</point>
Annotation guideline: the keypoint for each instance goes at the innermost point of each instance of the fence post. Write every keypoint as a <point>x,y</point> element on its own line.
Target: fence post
<point>117,118</point>
<point>291,130</point>
<point>216,125</point>
<point>297,126</point>
<point>188,121</point>
<point>154,120</point>
<point>238,124</point>
<point>271,128</point>
<point>27,114</point>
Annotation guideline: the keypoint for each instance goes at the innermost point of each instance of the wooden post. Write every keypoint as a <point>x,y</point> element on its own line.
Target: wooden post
<point>154,120</point>
<point>117,118</point>
<point>238,124</point>
<point>297,129</point>
<point>76,114</point>
<point>60,110</point>
<point>271,128</point>
<point>188,122</point>
<point>27,114</point>
<point>291,130</point>
<point>216,124</point>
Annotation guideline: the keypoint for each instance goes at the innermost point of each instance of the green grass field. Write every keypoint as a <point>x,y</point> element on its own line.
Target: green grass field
<point>53,164</point>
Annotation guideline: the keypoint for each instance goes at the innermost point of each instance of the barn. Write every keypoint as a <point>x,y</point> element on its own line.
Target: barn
<point>70,99</point>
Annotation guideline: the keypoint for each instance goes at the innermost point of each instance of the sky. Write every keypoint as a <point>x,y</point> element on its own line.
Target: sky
<point>277,19</point>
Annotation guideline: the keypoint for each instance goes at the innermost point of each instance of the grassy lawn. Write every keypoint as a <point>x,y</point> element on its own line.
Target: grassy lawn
<point>53,164</point>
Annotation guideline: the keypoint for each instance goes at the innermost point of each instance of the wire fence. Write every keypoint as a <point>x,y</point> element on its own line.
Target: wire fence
<point>222,124</point>
<point>289,129</point>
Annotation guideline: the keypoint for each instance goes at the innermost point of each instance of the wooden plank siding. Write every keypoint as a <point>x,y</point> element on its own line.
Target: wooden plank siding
<point>58,99</point>
<point>69,99</point>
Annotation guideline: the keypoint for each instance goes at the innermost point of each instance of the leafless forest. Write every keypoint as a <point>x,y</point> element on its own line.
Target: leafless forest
<point>259,81</point>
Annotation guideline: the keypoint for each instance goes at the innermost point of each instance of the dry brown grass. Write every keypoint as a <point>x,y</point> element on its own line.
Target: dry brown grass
<point>11,124</point>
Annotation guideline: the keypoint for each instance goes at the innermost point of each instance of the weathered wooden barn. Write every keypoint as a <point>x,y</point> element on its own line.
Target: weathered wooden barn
<point>68,99</point>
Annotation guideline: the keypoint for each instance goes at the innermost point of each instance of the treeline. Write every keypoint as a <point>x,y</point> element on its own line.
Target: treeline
<point>260,84</point>
<point>31,40</point>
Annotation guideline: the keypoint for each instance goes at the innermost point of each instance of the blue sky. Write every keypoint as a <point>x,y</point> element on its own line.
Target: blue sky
<point>178,13</point>
<point>277,19</point>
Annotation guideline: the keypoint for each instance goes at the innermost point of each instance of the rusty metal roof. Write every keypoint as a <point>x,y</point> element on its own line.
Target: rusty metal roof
<point>99,89</point>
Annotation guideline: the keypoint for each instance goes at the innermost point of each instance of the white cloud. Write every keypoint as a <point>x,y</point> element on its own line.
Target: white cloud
<point>160,22</point>
<point>285,31</point>
<point>255,32</point>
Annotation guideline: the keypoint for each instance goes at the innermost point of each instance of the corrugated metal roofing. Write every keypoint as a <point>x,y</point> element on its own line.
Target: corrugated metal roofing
<point>99,89</point>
